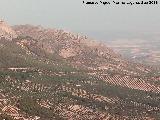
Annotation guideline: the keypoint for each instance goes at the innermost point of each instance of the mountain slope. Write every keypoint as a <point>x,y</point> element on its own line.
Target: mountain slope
<point>50,74</point>
<point>83,53</point>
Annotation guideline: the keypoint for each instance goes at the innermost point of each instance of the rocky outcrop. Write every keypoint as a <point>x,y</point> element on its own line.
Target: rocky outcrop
<point>6,31</point>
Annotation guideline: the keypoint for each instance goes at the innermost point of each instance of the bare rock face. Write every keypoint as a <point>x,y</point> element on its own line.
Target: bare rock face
<point>65,53</point>
<point>6,31</point>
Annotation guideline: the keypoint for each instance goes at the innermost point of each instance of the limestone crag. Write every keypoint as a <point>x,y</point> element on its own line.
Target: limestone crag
<point>6,31</point>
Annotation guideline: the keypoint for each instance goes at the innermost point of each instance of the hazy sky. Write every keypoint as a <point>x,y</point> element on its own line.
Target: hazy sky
<point>97,21</point>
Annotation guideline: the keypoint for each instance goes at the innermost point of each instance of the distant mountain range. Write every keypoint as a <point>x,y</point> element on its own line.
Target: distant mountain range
<point>51,74</point>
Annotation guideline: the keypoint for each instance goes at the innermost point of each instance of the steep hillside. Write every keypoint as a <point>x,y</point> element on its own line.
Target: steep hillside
<point>48,74</point>
<point>77,49</point>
